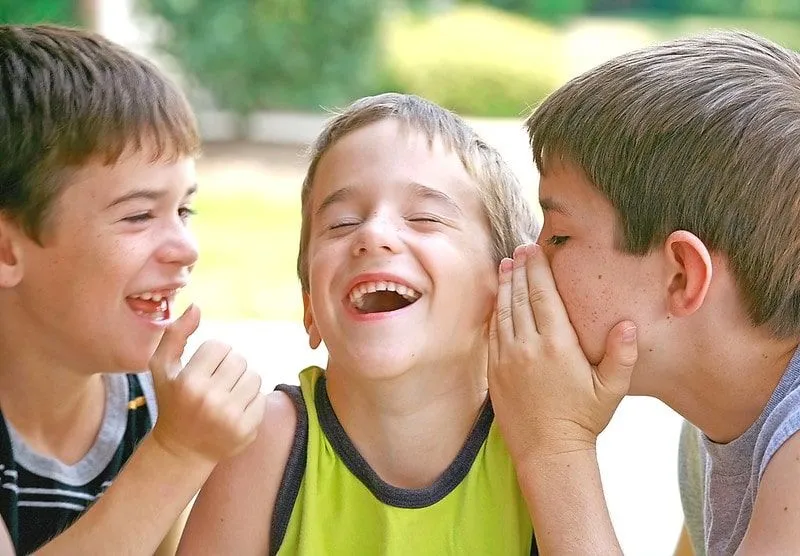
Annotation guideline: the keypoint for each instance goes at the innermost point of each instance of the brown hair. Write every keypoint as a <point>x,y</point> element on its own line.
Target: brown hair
<point>699,134</point>
<point>68,96</point>
<point>510,218</point>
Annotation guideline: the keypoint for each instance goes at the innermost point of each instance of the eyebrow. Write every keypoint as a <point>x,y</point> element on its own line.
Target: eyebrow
<point>425,192</point>
<point>149,194</point>
<point>338,196</point>
<point>549,204</point>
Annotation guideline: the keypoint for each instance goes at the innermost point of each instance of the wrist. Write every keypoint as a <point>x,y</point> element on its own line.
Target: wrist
<point>173,456</point>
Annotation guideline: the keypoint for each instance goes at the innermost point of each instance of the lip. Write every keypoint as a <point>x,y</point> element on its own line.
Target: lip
<point>375,277</point>
<point>168,290</point>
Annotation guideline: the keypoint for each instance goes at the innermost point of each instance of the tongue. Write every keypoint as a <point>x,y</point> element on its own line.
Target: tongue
<point>383,302</point>
<point>148,306</point>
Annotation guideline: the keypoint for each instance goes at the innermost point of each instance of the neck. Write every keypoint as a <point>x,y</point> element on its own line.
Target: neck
<point>728,390</point>
<point>56,409</point>
<point>410,427</point>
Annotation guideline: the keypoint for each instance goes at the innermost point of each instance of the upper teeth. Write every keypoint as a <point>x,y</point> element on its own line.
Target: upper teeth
<point>382,286</point>
<point>147,296</point>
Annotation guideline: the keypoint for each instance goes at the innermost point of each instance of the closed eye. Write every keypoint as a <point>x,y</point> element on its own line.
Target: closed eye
<point>342,225</point>
<point>139,218</point>
<point>185,213</point>
<point>557,240</point>
<point>425,218</point>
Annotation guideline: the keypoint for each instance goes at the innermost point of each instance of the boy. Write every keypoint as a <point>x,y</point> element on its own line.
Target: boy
<point>392,448</point>
<point>670,181</point>
<point>96,184</point>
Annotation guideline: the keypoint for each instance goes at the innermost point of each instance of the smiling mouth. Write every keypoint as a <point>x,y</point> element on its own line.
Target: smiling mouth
<point>382,297</point>
<point>154,306</point>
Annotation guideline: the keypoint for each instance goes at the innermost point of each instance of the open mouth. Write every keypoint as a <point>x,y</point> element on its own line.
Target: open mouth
<point>382,297</point>
<point>153,305</point>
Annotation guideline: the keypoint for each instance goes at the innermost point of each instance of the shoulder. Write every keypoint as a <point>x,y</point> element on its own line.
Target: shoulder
<point>233,511</point>
<point>776,510</point>
<point>780,425</point>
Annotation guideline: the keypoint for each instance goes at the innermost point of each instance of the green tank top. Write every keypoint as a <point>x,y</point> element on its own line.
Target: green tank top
<point>331,502</point>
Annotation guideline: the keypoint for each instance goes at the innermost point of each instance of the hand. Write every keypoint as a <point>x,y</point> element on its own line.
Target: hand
<point>210,409</point>
<point>547,398</point>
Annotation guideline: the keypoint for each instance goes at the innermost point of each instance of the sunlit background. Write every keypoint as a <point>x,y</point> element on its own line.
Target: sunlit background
<point>263,74</point>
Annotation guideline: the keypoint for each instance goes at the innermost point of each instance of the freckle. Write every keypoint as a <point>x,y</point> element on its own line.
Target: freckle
<point>651,350</point>
<point>599,276</point>
<point>785,508</point>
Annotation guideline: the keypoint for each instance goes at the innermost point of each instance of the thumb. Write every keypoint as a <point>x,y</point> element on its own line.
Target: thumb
<point>166,361</point>
<point>613,374</point>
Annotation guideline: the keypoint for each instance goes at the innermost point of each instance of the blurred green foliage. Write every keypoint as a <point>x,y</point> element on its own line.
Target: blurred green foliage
<point>256,54</point>
<point>473,60</point>
<point>64,12</point>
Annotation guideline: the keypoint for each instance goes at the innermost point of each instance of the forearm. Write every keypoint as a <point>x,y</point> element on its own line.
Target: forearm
<point>568,510</point>
<point>138,509</point>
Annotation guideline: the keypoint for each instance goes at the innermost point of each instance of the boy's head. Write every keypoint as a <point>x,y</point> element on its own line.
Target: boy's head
<point>689,151</point>
<point>406,213</point>
<point>96,167</point>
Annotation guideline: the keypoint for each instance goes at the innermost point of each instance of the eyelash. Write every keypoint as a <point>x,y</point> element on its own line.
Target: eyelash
<point>557,240</point>
<point>425,218</point>
<point>184,212</point>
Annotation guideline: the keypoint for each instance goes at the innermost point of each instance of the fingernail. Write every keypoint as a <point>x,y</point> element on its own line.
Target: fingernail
<point>506,265</point>
<point>629,334</point>
<point>532,248</point>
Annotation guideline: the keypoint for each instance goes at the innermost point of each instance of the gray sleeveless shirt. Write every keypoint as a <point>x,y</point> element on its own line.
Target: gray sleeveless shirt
<point>724,478</point>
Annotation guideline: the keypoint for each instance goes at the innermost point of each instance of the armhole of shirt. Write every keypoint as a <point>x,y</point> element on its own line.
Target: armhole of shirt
<point>293,474</point>
<point>149,390</point>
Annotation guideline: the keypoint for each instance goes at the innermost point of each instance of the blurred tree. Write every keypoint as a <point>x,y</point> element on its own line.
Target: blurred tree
<point>66,12</point>
<point>258,54</point>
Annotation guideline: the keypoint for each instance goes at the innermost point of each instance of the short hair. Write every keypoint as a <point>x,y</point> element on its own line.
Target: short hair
<point>68,96</point>
<point>509,214</point>
<point>699,134</point>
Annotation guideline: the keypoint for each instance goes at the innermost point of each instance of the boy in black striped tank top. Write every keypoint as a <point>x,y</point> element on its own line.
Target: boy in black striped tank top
<point>97,179</point>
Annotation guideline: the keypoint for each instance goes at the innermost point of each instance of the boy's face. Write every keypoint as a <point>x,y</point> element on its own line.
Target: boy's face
<point>400,265</point>
<point>115,248</point>
<point>599,284</point>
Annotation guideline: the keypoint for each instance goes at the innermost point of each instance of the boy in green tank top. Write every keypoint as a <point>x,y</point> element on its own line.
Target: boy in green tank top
<point>392,449</point>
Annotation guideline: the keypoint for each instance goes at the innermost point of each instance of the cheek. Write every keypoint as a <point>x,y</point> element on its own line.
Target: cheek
<point>588,296</point>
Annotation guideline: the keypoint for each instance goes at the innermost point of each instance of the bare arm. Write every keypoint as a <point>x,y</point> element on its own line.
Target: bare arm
<point>139,507</point>
<point>776,512</point>
<point>684,547</point>
<point>6,546</point>
<point>208,410</point>
<point>169,545</point>
<point>551,404</point>
<point>233,512</point>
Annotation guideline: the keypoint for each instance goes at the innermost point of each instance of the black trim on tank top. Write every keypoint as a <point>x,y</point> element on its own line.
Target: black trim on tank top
<point>293,474</point>
<point>383,491</point>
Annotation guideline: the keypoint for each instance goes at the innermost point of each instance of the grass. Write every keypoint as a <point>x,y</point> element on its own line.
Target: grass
<point>248,244</point>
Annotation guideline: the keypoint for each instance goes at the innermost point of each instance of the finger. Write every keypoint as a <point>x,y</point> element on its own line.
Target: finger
<point>549,313</point>
<point>521,312</point>
<point>505,323</point>
<point>246,389</point>
<point>494,349</point>
<point>166,360</point>
<point>254,414</point>
<point>613,374</point>
<point>207,358</point>
<point>229,371</point>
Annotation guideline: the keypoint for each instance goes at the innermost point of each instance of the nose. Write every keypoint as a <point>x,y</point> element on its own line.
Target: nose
<point>179,246</point>
<point>379,233</point>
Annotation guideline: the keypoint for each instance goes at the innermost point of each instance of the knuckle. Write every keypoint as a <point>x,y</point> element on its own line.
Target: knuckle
<point>504,314</point>
<point>214,347</point>
<point>520,298</point>
<point>536,295</point>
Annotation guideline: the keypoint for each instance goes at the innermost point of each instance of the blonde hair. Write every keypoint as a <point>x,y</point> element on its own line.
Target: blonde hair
<point>510,218</point>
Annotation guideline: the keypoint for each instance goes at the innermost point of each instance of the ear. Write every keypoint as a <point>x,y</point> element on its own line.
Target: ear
<point>690,269</point>
<point>10,252</point>
<point>314,339</point>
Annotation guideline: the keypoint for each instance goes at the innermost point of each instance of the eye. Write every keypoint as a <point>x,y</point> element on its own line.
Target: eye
<point>343,224</point>
<point>430,218</point>
<point>139,218</point>
<point>557,240</point>
<point>186,213</point>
